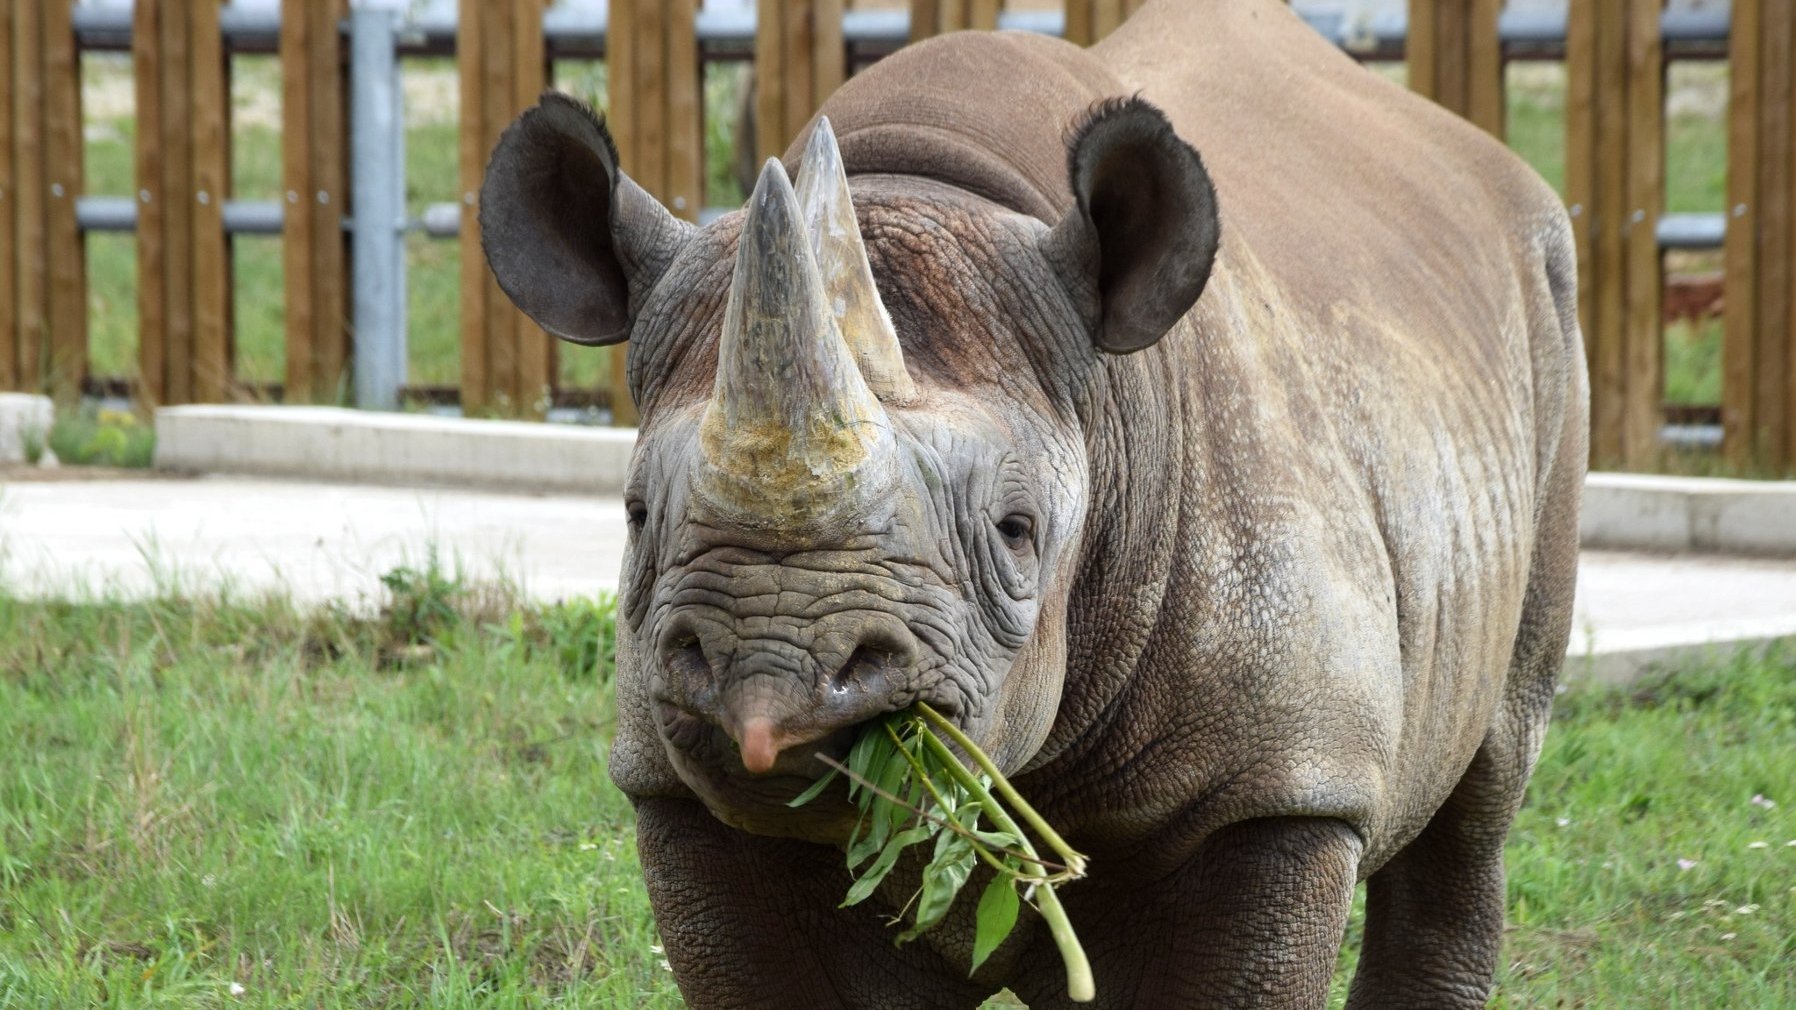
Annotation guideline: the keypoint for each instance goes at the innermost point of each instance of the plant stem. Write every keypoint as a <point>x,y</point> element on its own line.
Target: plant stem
<point>1080,986</point>
<point>1075,862</point>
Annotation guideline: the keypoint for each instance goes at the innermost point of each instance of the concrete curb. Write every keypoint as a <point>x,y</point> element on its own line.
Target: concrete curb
<point>339,444</point>
<point>1626,511</point>
<point>23,417</point>
<point>1626,656</point>
<point>1621,511</point>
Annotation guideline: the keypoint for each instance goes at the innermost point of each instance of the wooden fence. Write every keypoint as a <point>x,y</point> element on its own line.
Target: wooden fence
<point>1615,182</point>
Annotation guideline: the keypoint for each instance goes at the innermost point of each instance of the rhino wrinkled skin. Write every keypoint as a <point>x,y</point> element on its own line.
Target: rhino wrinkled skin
<point>1229,502</point>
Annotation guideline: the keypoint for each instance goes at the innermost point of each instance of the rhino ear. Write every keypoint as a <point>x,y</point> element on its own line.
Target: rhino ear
<point>572,241</point>
<point>1139,241</point>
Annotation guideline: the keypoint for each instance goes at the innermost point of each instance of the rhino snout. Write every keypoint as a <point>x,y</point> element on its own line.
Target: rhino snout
<point>784,695</point>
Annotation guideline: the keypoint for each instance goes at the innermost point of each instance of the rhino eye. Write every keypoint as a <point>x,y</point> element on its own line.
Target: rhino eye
<point>638,513</point>
<point>1016,529</point>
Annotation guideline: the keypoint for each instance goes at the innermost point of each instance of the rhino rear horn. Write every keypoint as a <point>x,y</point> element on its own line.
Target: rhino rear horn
<point>835,236</point>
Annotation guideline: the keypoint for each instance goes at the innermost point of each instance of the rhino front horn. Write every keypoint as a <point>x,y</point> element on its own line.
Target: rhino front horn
<point>791,425</point>
<point>847,276</point>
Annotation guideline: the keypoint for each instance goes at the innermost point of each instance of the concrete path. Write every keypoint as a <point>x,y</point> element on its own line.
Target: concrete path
<point>316,541</point>
<point>332,541</point>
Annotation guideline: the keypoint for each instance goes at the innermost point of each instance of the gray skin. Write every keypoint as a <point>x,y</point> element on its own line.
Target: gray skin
<point>1232,507</point>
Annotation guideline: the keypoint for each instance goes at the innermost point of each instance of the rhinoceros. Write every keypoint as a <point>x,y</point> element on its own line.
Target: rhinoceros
<point>1197,420</point>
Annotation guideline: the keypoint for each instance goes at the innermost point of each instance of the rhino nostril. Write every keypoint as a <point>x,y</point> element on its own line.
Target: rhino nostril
<point>684,656</point>
<point>861,662</point>
<point>876,658</point>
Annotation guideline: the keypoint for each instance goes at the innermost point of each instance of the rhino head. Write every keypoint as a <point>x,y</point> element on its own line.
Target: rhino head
<point>861,480</point>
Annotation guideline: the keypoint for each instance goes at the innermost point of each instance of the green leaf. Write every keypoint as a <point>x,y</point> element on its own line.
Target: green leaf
<point>996,839</point>
<point>863,845</point>
<point>888,858</point>
<point>860,756</point>
<point>995,918</point>
<point>943,878</point>
<point>816,788</point>
<point>874,759</point>
<point>890,780</point>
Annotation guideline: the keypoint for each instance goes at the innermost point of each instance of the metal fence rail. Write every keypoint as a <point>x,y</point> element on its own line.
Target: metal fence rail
<point>579,33</point>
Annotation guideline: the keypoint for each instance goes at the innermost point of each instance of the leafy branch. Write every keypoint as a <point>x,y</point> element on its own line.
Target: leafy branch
<point>910,788</point>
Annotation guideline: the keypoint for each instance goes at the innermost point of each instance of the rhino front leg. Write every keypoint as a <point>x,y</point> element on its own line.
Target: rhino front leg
<point>1434,913</point>
<point>751,922</point>
<point>1254,920</point>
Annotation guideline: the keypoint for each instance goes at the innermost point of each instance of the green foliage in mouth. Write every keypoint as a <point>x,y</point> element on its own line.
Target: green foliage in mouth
<point>911,788</point>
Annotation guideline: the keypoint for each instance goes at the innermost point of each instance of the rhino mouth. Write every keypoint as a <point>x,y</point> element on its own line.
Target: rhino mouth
<point>710,761</point>
<point>704,741</point>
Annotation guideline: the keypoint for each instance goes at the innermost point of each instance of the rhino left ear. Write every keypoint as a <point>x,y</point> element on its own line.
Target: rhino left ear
<point>1141,238</point>
<point>572,241</point>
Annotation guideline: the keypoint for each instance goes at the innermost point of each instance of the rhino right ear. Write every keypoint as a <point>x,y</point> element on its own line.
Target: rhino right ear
<point>1138,244</point>
<point>572,241</point>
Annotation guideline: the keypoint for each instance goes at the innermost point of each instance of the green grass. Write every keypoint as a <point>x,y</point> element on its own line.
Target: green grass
<point>1644,869</point>
<point>1693,362</point>
<point>1695,130</point>
<point>92,436</point>
<point>411,810</point>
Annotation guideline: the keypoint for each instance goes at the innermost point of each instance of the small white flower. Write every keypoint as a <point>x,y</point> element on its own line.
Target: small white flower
<point>665,966</point>
<point>237,989</point>
<point>588,846</point>
<point>208,881</point>
<point>1729,936</point>
<point>1758,845</point>
<point>1746,909</point>
<point>1565,822</point>
<point>655,948</point>
<point>1686,864</point>
<point>1759,800</point>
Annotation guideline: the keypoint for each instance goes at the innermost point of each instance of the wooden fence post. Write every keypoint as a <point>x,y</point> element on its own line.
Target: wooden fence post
<point>1456,58</point>
<point>799,61</point>
<point>938,17</point>
<point>9,204</point>
<point>31,311</point>
<point>183,174</point>
<point>43,298</point>
<point>63,172</point>
<point>506,360</point>
<point>314,151</point>
<point>1088,21</point>
<point>655,81</point>
<point>1758,396</point>
<point>1615,185</point>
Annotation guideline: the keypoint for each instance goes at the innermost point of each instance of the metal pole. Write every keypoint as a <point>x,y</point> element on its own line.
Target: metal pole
<point>377,187</point>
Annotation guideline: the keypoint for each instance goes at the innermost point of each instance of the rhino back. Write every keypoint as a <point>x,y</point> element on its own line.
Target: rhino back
<point>985,112</point>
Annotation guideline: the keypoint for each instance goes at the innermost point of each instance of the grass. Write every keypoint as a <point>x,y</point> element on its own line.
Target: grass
<point>325,810</point>
<point>94,436</point>
<point>410,809</point>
